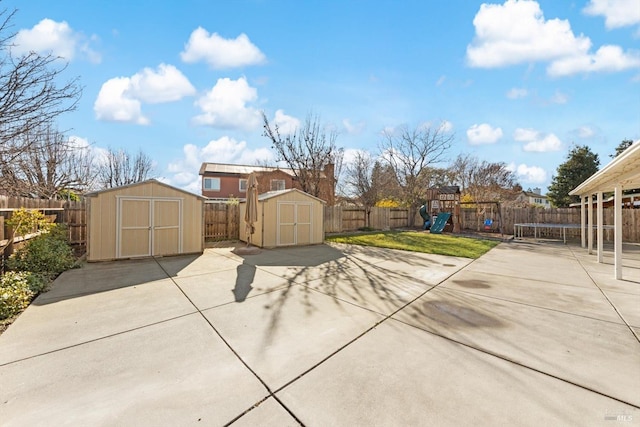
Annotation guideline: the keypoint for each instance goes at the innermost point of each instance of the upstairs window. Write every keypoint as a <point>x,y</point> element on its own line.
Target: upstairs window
<point>277,184</point>
<point>243,186</point>
<point>211,184</point>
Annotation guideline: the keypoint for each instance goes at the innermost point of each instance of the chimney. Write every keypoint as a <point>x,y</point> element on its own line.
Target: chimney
<point>537,190</point>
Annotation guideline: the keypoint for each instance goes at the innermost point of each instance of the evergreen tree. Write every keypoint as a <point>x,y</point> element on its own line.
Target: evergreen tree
<point>581,164</point>
<point>626,143</point>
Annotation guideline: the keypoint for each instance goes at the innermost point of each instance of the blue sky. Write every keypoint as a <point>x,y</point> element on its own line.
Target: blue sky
<point>516,82</point>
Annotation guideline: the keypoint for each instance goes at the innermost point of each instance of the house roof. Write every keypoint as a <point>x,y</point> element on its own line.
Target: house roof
<point>148,181</point>
<point>624,170</point>
<point>239,169</point>
<point>536,195</point>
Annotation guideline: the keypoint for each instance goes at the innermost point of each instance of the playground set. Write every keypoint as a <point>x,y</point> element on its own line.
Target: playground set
<point>441,210</point>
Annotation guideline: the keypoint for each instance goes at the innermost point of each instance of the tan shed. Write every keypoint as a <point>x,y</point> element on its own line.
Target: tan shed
<point>145,219</point>
<point>286,218</point>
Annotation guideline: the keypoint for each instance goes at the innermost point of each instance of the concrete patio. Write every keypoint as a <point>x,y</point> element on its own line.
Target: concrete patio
<point>531,333</point>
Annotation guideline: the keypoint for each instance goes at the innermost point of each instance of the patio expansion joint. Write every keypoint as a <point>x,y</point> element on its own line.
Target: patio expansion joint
<point>595,283</point>
<point>520,364</point>
<point>255,374</point>
<point>532,305</point>
<point>374,326</point>
<point>159,322</point>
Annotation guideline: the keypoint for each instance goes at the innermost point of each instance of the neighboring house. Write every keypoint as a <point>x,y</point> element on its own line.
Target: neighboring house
<point>533,197</point>
<point>223,181</point>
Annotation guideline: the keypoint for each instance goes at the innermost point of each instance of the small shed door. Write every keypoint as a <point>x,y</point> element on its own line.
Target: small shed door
<point>294,223</point>
<point>134,226</point>
<point>167,233</point>
<point>149,227</point>
<point>303,223</point>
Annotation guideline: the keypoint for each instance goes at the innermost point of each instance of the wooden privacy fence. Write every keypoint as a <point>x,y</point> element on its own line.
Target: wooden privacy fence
<point>338,218</point>
<point>221,221</point>
<point>471,219</point>
<point>59,211</point>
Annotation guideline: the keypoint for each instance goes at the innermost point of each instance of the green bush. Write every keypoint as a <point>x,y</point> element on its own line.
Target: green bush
<point>17,289</point>
<point>47,254</point>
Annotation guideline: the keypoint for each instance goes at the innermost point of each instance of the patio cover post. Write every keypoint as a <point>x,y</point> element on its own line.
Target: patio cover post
<point>583,236</point>
<point>590,223</point>
<point>600,226</point>
<point>617,222</point>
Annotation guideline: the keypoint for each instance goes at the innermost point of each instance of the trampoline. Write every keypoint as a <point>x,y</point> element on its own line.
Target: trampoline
<point>518,228</point>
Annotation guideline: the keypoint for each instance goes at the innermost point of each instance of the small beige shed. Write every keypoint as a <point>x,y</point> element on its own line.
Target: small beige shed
<point>286,218</point>
<point>145,219</point>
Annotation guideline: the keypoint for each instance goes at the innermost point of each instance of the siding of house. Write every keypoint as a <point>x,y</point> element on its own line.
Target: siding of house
<point>230,184</point>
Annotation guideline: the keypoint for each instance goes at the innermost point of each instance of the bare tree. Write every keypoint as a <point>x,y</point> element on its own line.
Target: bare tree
<point>30,91</point>
<point>310,151</point>
<point>412,155</point>
<point>359,179</point>
<point>483,181</point>
<point>47,165</point>
<point>118,168</point>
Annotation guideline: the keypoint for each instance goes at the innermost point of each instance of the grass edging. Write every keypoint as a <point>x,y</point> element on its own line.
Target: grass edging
<point>419,241</point>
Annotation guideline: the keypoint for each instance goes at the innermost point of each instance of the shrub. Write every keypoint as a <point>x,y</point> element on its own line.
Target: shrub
<point>47,254</point>
<point>24,221</point>
<point>17,289</point>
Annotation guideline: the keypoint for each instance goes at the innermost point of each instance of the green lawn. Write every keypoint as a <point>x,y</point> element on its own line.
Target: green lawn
<point>440,244</point>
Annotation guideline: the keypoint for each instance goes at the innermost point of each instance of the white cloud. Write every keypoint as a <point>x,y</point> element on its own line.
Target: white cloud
<point>585,132</point>
<point>608,58</point>
<point>353,128</point>
<point>559,98</point>
<point>529,174</point>
<point>120,98</point>
<point>617,13</point>
<point>184,171</point>
<point>219,52</point>
<point>445,126</point>
<point>483,134</point>
<point>517,32</point>
<point>226,106</point>
<point>57,38</point>
<point>114,103</point>
<point>522,134</point>
<point>441,80</point>
<point>286,124</point>
<point>516,93</point>
<point>167,84</point>
<point>537,141</point>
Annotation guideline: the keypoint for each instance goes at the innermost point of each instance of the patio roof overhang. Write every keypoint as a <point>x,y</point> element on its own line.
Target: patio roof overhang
<point>622,173</point>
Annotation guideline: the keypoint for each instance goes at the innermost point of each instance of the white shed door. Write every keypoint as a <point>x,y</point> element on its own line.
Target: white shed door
<point>294,223</point>
<point>149,227</point>
<point>134,228</point>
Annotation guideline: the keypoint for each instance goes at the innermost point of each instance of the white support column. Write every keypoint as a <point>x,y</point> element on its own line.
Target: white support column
<point>583,235</point>
<point>617,222</point>
<point>590,223</point>
<point>600,227</point>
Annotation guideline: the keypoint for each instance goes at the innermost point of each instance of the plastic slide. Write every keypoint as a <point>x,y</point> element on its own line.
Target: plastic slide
<point>440,222</point>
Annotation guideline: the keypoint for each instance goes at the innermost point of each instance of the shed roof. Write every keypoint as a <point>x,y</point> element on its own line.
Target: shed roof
<point>272,194</point>
<point>449,189</point>
<point>148,181</point>
<point>624,169</point>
